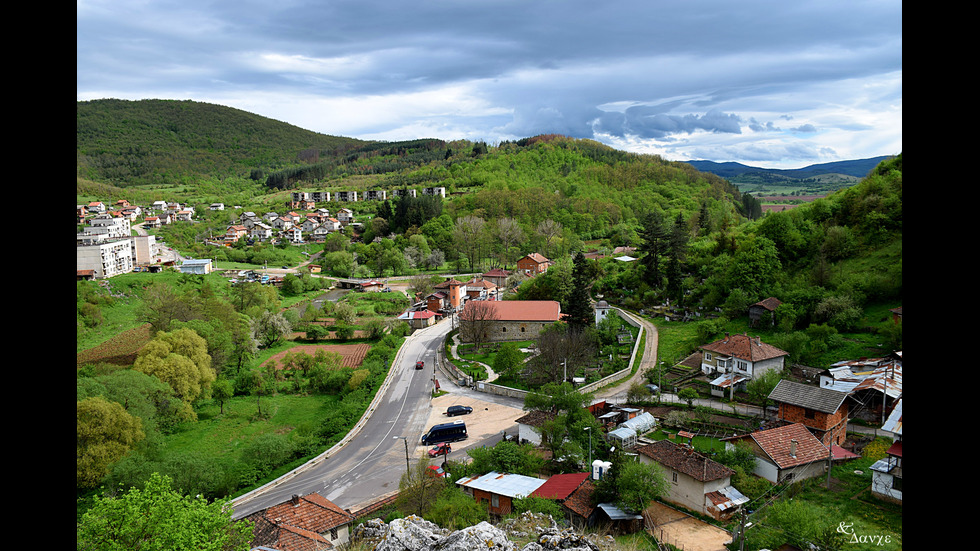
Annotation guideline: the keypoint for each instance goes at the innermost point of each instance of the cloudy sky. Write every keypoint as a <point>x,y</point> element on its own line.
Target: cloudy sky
<point>780,84</point>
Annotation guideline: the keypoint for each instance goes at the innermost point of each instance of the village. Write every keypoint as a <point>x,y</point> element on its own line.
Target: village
<point>806,429</point>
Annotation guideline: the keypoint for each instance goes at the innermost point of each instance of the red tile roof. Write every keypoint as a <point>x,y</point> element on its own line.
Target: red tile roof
<point>776,443</point>
<point>744,347</point>
<point>560,486</point>
<point>525,310</point>
<point>685,460</point>
<point>312,512</point>
<point>580,500</point>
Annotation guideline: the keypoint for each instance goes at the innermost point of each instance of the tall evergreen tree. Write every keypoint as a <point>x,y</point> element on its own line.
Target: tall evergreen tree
<point>676,252</point>
<point>656,238</point>
<point>579,308</point>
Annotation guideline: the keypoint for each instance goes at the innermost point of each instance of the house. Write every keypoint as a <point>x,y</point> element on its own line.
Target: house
<point>234,233</point>
<point>738,359</point>
<point>481,289</point>
<point>217,206</point>
<point>261,232</point>
<point>497,276</point>
<point>530,423</point>
<point>455,291</point>
<point>560,486</point>
<point>293,234</point>
<point>437,301</point>
<point>376,195</point>
<point>533,263</point>
<point>97,207</point>
<point>763,311</point>
<point>308,522</point>
<point>578,506</point>
<point>499,490</point>
<point>309,225</point>
<point>886,473</point>
<point>345,196</point>
<point>419,319</point>
<point>282,223</point>
<point>822,410</point>
<point>332,224</point>
<point>301,205</point>
<point>696,482</point>
<point>346,216</point>
<point>511,320</point>
<point>438,191</point>
<point>151,222</point>
<point>320,232</point>
<point>785,454</point>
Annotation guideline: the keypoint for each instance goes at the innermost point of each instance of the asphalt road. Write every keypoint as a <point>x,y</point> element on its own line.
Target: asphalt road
<point>371,463</point>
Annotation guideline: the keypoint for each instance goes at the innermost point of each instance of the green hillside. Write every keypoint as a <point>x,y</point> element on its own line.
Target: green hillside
<point>165,142</point>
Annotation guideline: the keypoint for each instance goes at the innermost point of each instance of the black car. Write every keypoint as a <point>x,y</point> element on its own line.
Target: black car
<point>458,410</point>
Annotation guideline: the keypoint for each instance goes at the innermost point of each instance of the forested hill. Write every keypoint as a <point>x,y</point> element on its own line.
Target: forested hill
<point>128,143</point>
<point>738,173</point>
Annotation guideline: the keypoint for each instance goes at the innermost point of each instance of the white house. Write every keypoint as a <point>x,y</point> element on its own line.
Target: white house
<point>737,359</point>
<point>261,232</point>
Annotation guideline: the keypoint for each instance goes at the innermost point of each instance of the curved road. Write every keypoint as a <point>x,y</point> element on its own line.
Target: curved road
<point>370,461</point>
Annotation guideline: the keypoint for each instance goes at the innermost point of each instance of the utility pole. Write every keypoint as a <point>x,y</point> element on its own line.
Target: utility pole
<point>741,530</point>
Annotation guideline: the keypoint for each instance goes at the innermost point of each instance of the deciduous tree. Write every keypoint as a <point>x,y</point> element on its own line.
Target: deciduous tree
<point>158,518</point>
<point>105,433</point>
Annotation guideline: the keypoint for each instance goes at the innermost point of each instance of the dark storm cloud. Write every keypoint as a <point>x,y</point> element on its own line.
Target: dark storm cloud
<point>647,73</point>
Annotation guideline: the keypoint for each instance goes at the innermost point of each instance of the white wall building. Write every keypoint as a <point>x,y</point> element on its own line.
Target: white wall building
<point>106,259</point>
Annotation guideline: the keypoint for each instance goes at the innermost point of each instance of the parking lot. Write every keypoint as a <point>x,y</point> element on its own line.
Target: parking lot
<point>487,421</point>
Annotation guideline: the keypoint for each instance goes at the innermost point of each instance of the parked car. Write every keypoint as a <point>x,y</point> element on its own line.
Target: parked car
<point>653,388</point>
<point>436,471</point>
<point>419,364</point>
<point>443,448</point>
<point>458,410</point>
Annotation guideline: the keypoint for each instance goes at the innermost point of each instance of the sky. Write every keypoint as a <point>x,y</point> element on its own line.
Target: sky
<point>775,84</point>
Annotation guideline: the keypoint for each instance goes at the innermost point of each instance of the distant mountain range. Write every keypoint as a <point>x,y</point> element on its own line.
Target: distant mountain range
<point>738,173</point>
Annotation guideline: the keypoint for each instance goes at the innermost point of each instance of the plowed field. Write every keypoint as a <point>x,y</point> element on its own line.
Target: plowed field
<point>353,354</point>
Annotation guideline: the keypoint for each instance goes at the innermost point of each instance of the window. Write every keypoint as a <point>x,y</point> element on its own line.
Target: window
<point>674,475</point>
<point>495,501</point>
<point>333,533</point>
<point>809,414</point>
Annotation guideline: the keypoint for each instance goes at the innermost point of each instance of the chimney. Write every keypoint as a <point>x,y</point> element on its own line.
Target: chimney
<point>294,500</point>
<point>792,448</point>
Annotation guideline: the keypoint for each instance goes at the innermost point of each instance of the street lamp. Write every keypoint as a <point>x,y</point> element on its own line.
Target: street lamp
<point>405,438</point>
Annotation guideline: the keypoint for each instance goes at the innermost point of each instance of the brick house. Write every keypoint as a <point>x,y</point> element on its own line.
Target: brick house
<point>822,410</point>
<point>497,491</point>
<point>785,454</point>
<point>533,263</point>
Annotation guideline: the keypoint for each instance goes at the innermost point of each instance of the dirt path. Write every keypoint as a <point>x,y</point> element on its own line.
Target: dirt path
<point>649,361</point>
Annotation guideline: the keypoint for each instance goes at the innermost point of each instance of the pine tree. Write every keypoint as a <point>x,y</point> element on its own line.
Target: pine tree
<point>656,238</point>
<point>579,307</point>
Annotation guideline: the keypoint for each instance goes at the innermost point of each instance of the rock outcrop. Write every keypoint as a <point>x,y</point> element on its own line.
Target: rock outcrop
<point>413,533</point>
